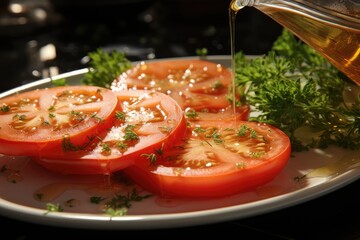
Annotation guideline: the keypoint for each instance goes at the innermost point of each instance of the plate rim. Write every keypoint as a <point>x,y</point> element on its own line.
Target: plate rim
<point>175,220</point>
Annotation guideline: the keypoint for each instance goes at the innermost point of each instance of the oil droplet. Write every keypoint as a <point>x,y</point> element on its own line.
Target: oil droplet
<point>105,186</point>
<point>50,192</point>
<point>346,163</point>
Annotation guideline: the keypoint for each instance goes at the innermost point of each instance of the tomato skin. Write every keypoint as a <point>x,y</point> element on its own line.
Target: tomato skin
<point>200,85</point>
<point>221,177</point>
<point>165,114</point>
<point>34,123</point>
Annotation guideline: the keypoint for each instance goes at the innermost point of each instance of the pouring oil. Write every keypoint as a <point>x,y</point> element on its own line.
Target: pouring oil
<point>232,21</point>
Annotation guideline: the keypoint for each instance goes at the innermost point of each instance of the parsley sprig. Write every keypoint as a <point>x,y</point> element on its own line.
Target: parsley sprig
<point>104,67</point>
<point>294,88</point>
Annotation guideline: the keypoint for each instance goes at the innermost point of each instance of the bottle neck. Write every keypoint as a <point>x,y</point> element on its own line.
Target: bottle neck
<point>344,14</point>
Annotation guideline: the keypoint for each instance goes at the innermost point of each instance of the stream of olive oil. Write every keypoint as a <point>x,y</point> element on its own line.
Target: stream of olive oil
<point>232,20</point>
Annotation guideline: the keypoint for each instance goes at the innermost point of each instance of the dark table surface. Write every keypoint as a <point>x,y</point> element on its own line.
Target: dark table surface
<point>148,29</point>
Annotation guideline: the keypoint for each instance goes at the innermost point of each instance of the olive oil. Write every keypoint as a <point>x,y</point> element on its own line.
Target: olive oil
<point>232,20</point>
<point>338,43</point>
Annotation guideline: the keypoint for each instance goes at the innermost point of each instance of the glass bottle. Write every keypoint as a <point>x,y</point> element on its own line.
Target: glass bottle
<point>331,27</point>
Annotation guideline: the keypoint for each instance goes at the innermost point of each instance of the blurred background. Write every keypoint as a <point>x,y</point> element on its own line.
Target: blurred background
<point>42,38</point>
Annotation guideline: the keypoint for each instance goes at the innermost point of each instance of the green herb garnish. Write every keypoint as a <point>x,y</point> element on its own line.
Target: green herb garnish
<point>104,67</point>
<point>119,204</point>
<point>59,82</point>
<point>51,207</point>
<point>96,199</point>
<point>5,108</point>
<point>297,90</point>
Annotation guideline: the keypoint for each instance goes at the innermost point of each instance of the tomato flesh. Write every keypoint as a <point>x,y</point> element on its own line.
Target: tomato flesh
<point>196,85</point>
<point>147,121</point>
<point>36,122</point>
<point>216,161</point>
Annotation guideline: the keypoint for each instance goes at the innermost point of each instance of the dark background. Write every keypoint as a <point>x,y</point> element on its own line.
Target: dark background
<point>143,29</point>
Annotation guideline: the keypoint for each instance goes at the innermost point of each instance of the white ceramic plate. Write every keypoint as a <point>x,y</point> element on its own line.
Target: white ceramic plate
<point>326,171</point>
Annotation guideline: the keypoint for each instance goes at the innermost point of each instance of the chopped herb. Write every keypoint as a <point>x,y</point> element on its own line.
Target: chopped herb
<point>20,117</point>
<point>77,115</point>
<point>130,135</point>
<point>119,204</point>
<point>5,108</point>
<point>96,199</point>
<point>122,146</point>
<point>242,131</point>
<point>68,146</point>
<point>151,157</point>
<point>216,137</point>
<point>199,130</point>
<point>120,116</point>
<point>99,119</point>
<point>160,151</point>
<point>51,207</point>
<point>105,148</point>
<point>253,133</point>
<point>165,129</point>
<point>192,114</point>
<point>46,123</point>
<point>116,212</point>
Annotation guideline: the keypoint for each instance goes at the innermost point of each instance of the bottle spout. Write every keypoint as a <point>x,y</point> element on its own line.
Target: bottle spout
<point>244,3</point>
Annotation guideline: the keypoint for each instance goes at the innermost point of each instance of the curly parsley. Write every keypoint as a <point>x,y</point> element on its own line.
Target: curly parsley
<point>294,88</point>
<point>104,67</point>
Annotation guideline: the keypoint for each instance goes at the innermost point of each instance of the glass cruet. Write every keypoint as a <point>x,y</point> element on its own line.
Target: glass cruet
<point>331,27</point>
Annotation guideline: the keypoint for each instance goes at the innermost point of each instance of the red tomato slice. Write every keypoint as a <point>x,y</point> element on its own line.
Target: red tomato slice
<point>36,122</point>
<point>148,120</point>
<point>199,85</point>
<point>215,161</point>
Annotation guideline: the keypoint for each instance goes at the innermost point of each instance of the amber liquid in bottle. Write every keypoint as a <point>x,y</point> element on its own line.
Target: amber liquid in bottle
<point>340,45</point>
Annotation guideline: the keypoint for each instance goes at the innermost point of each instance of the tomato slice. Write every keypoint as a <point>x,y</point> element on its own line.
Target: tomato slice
<point>215,161</point>
<point>198,85</point>
<point>147,121</point>
<point>36,122</point>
